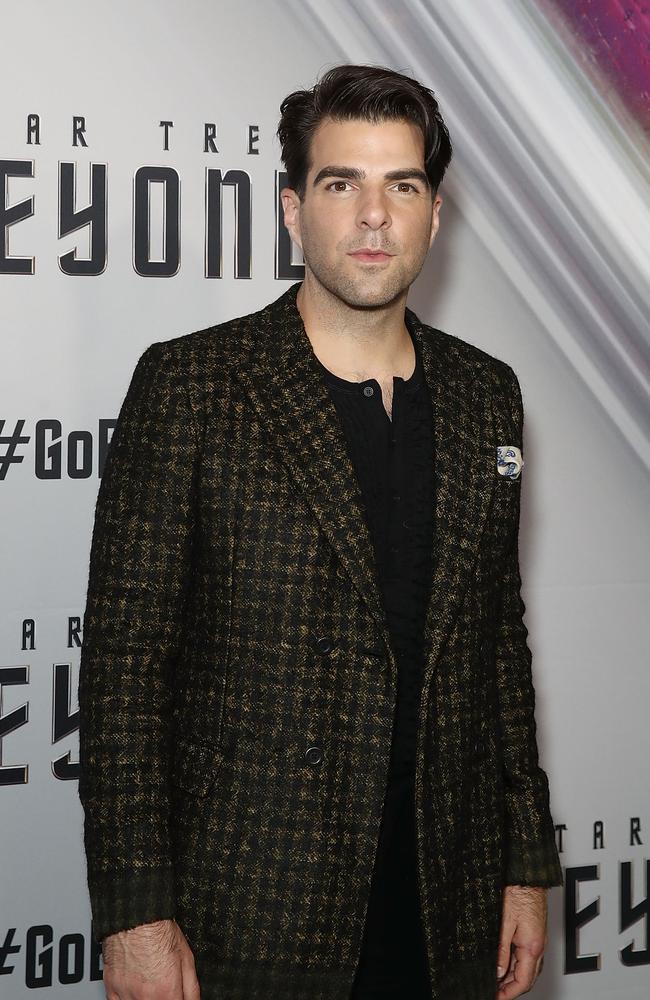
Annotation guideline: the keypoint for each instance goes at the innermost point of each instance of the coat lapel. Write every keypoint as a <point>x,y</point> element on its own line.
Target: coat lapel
<point>464,476</point>
<point>288,392</point>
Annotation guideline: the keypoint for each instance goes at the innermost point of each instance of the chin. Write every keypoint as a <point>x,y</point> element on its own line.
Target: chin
<point>371,298</point>
<point>364,293</point>
<point>368,301</point>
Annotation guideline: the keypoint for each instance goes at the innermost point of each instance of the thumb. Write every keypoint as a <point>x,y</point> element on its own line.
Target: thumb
<point>503,951</point>
<point>191,988</point>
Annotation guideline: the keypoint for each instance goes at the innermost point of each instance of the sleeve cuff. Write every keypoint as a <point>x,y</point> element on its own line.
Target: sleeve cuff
<point>127,899</point>
<point>532,856</point>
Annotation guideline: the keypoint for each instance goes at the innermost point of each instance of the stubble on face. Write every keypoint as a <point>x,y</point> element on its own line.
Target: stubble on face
<point>372,287</point>
<point>381,147</point>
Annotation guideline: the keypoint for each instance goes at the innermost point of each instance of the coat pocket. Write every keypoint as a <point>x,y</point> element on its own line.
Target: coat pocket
<point>195,766</point>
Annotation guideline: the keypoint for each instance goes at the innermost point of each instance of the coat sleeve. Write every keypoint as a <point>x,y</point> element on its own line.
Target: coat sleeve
<point>531,851</point>
<point>138,579</point>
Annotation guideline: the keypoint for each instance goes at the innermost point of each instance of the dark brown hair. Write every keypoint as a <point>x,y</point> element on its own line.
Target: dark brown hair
<point>370,93</point>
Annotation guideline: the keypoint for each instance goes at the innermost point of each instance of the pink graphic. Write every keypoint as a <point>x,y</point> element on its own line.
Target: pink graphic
<point>615,37</point>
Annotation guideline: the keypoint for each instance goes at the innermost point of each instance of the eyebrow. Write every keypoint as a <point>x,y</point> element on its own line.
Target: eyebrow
<point>355,174</point>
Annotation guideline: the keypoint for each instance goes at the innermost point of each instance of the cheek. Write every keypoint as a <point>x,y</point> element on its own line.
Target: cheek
<point>418,238</point>
<point>420,224</point>
<point>321,234</point>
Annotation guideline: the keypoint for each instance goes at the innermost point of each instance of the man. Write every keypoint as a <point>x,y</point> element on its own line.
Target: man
<point>308,757</point>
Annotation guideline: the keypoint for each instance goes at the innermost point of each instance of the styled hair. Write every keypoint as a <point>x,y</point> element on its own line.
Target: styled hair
<point>370,93</point>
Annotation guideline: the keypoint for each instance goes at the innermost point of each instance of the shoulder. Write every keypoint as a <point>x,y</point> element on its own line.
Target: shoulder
<point>481,369</point>
<point>206,362</point>
<point>222,344</point>
<point>464,355</point>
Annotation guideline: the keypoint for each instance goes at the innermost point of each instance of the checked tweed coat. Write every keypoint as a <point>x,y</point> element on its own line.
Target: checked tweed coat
<point>237,683</point>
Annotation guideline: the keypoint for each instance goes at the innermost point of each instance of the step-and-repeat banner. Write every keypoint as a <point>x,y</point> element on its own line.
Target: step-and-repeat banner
<point>141,184</point>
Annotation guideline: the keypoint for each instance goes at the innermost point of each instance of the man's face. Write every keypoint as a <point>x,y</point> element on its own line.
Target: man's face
<point>366,190</point>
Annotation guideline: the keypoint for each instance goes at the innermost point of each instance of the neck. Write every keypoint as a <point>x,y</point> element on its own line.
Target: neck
<point>358,341</point>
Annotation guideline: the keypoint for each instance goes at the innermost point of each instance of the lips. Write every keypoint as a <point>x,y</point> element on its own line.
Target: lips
<point>371,256</point>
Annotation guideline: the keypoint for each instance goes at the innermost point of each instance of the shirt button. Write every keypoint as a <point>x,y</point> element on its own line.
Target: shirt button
<point>314,755</point>
<point>368,390</point>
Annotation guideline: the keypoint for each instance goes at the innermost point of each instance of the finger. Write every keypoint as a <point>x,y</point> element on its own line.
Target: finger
<point>504,951</point>
<point>505,982</point>
<point>510,971</point>
<point>191,988</point>
<point>111,991</point>
<point>523,979</point>
<point>510,974</point>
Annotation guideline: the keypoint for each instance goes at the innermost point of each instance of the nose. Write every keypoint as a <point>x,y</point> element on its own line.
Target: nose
<point>373,211</point>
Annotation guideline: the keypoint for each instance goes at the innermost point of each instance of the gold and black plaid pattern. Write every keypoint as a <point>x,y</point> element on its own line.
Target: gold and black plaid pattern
<point>237,682</point>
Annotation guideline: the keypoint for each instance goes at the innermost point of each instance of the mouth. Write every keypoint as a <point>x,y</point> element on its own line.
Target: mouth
<point>371,256</point>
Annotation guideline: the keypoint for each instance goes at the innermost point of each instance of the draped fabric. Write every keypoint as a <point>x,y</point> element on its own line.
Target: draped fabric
<point>392,459</point>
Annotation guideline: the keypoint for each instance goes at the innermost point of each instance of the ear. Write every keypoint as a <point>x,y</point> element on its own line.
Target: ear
<point>435,218</point>
<point>291,207</point>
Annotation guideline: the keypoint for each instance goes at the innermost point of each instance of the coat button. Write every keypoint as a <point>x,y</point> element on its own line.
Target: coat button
<point>324,644</point>
<point>314,755</point>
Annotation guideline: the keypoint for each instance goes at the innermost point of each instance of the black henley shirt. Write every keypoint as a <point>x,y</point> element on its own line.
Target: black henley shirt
<point>393,459</point>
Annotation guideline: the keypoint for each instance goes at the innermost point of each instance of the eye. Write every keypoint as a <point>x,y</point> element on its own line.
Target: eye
<point>408,185</point>
<point>334,184</point>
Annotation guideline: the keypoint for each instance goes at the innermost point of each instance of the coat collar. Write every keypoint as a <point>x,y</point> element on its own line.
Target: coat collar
<point>286,386</point>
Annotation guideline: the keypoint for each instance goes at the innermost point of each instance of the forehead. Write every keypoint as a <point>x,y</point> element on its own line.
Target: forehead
<point>358,143</point>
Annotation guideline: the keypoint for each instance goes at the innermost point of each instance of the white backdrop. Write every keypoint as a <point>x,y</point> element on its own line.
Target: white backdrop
<point>70,343</point>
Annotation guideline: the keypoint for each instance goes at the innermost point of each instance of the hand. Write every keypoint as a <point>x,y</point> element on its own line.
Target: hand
<point>149,962</point>
<point>523,926</point>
